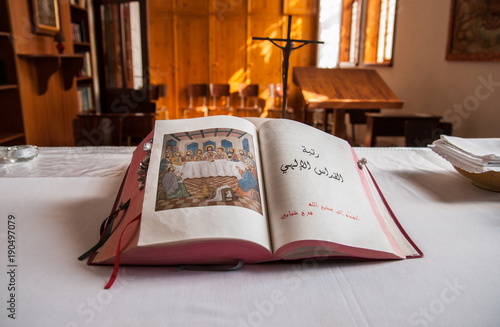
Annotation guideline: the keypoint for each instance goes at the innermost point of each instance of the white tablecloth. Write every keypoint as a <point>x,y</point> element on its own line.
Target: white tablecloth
<point>59,199</point>
<point>219,167</point>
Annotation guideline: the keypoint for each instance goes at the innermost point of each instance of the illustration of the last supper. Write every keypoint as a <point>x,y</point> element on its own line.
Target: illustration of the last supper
<point>208,167</point>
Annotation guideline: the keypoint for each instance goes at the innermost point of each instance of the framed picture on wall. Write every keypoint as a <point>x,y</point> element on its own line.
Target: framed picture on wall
<point>474,31</point>
<point>45,16</point>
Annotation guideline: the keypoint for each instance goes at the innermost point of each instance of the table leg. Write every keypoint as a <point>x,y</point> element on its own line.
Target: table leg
<point>338,128</point>
<point>326,112</point>
<point>304,112</point>
<point>369,138</point>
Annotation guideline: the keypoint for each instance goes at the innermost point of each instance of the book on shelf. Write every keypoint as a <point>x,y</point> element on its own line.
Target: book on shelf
<point>86,70</point>
<point>224,189</point>
<point>84,96</point>
<point>79,31</point>
<point>76,32</point>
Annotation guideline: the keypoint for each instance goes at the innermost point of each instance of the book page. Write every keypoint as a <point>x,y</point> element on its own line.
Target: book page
<point>204,182</point>
<point>315,190</point>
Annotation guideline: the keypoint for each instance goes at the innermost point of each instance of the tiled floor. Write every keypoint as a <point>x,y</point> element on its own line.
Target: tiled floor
<point>193,186</point>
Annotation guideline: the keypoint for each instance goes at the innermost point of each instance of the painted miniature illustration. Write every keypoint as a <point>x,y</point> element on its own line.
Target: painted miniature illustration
<point>208,167</point>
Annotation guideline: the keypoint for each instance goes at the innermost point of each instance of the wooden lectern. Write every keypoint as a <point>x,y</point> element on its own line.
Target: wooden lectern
<point>339,89</point>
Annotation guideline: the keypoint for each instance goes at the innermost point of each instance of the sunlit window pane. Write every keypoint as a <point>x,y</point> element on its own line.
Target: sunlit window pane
<point>386,30</point>
<point>329,32</point>
<point>390,29</point>
<point>355,26</point>
<point>382,31</point>
<point>340,23</point>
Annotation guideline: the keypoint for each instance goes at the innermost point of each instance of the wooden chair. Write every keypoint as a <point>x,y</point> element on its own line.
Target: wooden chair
<point>195,94</point>
<point>276,98</point>
<point>157,91</point>
<point>95,130</point>
<point>249,101</point>
<point>221,99</point>
<point>420,133</point>
<point>135,127</point>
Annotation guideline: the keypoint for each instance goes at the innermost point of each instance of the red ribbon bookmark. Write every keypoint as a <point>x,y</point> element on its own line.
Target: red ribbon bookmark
<point>116,265</point>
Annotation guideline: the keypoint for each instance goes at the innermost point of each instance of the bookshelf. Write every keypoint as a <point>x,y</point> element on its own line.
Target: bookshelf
<point>11,116</point>
<point>81,32</point>
<point>47,64</point>
<point>41,82</point>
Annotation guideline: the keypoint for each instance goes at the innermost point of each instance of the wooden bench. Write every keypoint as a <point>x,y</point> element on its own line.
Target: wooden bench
<point>380,124</point>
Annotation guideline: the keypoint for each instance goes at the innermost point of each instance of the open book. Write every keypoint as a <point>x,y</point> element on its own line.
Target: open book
<point>222,189</point>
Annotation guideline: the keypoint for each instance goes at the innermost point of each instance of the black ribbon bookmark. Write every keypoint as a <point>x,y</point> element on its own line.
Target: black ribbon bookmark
<point>238,266</point>
<point>106,230</point>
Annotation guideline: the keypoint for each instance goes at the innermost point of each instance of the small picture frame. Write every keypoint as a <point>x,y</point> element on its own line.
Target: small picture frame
<point>45,16</point>
<point>474,31</point>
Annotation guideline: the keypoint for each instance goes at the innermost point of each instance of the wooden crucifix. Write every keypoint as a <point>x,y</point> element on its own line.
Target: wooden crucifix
<point>287,50</point>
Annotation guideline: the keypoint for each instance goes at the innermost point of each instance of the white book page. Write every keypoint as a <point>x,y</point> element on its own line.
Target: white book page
<point>314,189</point>
<point>197,199</point>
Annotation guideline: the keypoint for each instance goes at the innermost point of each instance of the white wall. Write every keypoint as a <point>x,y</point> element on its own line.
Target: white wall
<point>428,83</point>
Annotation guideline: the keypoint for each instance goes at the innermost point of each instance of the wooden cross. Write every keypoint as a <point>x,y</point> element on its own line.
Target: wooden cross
<point>287,50</point>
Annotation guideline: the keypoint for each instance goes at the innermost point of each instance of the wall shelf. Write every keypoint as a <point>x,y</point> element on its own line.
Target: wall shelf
<point>8,87</point>
<point>81,44</point>
<point>7,138</point>
<point>47,64</point>
<point>85,79</point>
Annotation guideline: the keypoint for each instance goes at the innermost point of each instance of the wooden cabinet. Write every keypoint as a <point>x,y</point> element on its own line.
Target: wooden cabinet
<point>121,33</point>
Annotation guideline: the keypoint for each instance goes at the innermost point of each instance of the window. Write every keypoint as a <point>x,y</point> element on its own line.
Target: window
<point>329,32</point>
<point>192,147</point>
<point>379,35</point>
<point>356,31</point>
<point>350,31</point>
<point>226,144</point>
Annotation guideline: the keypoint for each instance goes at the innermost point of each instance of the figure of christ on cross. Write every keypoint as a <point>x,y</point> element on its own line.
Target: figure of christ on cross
<point>287,50</point>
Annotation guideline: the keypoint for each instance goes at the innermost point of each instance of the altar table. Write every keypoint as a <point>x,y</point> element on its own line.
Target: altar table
<point>56,202</point>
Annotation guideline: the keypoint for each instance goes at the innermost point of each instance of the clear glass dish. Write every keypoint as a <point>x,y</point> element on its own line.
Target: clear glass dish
<point>19,153</point>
